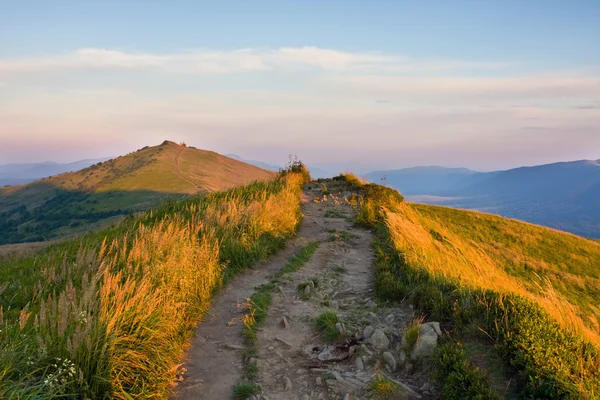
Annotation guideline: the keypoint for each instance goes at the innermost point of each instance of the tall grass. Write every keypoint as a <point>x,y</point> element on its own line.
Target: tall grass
<point>109,316</point>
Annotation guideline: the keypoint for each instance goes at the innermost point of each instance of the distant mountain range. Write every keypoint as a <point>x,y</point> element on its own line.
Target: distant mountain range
<point>563,195</point>
<point>75,201</point>
<point>17,174</point>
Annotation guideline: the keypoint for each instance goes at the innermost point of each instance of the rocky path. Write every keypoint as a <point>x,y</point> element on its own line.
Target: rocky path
<point>364,342</point>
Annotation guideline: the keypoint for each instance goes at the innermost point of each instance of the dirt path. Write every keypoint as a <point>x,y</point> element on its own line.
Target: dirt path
<point>214,362</point>
<point>179,171</point>
<point>293,358</point>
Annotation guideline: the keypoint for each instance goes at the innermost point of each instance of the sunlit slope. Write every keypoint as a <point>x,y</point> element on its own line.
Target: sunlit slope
<point>559,271</point>
<point>69,202</point>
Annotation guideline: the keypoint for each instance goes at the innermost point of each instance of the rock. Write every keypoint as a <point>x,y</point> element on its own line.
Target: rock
<point>287,382</point>
<point>427,340</point>
<point>347,396</point>
<point>307,290</point>
<point>390,360</point>
<point>389,318</point>
<point>337,376</point>
<point>234,347</point>
<point>339,327</point>
<point>373,318</point>
<point>358,362</point>
<point>252,361</point>
<point>282,340</point>
<point>271,348</point>
<point>371,304</point>
<point>281,291</point>
<point>426,386</point>
<point>380,341</point>
<point>366,349</point>
<point>319,381</point>
<point>368,331</point>
<point>285,323</point>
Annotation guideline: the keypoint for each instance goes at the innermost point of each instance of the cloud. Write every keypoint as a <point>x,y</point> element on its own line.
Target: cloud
<point>241,60</point>
<point>521,87</point>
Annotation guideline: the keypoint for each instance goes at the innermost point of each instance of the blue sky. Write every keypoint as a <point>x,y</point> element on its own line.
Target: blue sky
<point>355,84</point>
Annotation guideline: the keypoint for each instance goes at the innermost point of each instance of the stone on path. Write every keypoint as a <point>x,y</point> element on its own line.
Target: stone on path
<point>380,341</point>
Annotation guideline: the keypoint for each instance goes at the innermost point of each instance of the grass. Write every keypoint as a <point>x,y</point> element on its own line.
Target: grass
<point>411,334</point>
<point>108,315</point>
<point>325,323</point>
<point>244,391</point>
<point>334,213</point>
<point>461,379</point>
<point>382,388</point>
<point>495,279</point>
<point>73,202</point>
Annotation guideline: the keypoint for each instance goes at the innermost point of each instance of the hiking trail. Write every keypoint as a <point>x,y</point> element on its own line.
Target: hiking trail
<point>293,358</point>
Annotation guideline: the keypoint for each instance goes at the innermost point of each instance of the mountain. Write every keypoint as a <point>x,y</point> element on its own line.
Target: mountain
<point>424,180</point>
<point>76,201</point>
<point>563,195</point>
<point>17,174</point>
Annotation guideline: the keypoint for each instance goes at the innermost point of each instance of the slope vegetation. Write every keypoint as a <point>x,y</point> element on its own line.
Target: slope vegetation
<point>73,201</point>
<point>528,293</point>
<point>108,315</point>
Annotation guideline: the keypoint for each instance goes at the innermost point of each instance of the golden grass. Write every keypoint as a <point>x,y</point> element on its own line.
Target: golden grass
<point>432,244</point>
<point>124,322</point>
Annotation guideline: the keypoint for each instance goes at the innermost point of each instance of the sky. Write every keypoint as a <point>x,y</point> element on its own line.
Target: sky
<point>341,84</point>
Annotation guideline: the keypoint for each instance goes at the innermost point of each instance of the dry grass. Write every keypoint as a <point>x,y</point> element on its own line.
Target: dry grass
<point>432,244</point>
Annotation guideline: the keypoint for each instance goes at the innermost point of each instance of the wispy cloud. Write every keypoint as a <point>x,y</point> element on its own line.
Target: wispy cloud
<point>242,60</point>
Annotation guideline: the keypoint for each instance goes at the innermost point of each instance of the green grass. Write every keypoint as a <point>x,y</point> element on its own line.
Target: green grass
<point>461,379</point>
<point>244,391</point>
<point>343,236</point>
<point>334,213</point>
<point>325,323</point>
<point>411,334</point>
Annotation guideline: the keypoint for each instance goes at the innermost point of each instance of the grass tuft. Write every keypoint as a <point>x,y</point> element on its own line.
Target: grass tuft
<point>245,390</point>
<point>382,388</point>
<point>325,322</point>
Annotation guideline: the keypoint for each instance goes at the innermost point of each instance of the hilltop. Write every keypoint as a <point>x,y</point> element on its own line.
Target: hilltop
<point>75,201</point>
<point>559,195</point>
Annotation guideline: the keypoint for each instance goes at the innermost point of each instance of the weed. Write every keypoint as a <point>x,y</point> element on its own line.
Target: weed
<point>244,391</point>
<point>334,213</point>
<point>339,269</point>
<point>382,388</point>
<point>411,334</point>
<point>324,190</point>
<point>325,322</point>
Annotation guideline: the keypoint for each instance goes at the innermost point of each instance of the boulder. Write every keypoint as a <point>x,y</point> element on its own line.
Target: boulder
<point>380,341</point>
<point>427,341</point>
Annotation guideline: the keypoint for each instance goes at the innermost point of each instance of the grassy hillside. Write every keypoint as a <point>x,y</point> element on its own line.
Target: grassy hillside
<point>108,315</point>
<point>526,294</point>
<point>558,270</point>
<point>70,202</point>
